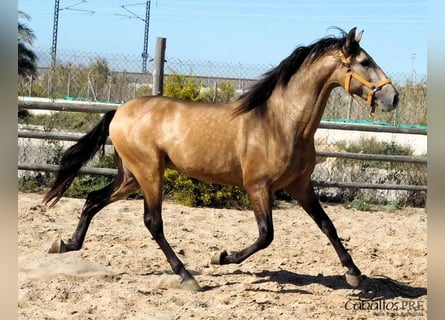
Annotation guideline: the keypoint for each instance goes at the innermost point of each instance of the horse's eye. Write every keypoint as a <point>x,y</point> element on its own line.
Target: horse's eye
<point>365,62</point>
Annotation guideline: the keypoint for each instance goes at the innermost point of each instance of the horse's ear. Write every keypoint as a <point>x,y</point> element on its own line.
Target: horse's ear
<point>359,36</point>
<point>351,41</point>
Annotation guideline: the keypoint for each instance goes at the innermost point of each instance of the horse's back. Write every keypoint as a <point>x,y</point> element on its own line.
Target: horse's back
<point>196,138</point>
<point>154,106</point>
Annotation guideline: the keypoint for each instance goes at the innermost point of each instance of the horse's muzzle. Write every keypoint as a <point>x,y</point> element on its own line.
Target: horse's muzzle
<point>387,97</point>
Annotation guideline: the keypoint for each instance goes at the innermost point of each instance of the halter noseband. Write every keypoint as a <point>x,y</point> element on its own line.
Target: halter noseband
<point>373,88</point>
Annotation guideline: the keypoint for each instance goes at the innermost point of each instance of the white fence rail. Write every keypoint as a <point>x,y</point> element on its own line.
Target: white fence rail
<point>101,108</point>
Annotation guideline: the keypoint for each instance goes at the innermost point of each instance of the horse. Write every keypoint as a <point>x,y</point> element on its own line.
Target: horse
<point>262,142</point>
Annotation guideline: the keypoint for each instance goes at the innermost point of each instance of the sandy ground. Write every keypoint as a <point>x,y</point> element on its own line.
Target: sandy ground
<point>121,274</point>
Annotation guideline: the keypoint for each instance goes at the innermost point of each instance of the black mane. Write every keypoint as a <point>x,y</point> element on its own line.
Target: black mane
<point>281,74</point>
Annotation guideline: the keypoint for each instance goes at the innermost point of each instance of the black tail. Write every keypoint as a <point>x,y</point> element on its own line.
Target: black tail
<point>78,155</point>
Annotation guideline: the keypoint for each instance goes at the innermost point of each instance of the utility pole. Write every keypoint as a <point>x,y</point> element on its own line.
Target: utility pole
<point>147,25</point>
<point>56,25</point>
<point>146,30</point>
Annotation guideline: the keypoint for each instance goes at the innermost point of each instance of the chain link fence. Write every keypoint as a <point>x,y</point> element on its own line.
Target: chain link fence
<point>117,78</point>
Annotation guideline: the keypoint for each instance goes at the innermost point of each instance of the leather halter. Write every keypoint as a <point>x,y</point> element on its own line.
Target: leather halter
<point>373,88</point>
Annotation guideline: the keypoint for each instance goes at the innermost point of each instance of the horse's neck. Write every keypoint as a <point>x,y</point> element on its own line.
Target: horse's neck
<point>301,104</point>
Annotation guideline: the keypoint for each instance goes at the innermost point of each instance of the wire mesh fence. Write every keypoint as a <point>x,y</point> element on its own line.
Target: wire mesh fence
<point>117,78</point>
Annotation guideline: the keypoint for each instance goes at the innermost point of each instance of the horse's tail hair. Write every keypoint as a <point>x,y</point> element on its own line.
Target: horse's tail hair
<point>75,157</point>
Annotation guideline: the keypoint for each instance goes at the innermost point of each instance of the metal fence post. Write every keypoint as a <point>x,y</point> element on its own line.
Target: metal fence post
<point>349,108</point>
<point>158,67</point>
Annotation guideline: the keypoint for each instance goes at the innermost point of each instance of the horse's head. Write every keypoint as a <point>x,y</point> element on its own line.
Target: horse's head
<point>361,76</point>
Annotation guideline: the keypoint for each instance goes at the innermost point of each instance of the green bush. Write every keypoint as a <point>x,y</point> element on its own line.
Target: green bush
<point>194,193</point>
<point>107,161</point>
<point>182,87</point>
<point>33,183</point>
<point>85,184</point>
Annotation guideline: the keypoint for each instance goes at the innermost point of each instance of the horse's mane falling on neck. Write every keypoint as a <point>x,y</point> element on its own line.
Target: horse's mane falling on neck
<point>256,97</point>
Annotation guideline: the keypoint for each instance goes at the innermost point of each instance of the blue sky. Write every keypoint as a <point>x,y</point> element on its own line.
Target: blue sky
<point>249,31</point>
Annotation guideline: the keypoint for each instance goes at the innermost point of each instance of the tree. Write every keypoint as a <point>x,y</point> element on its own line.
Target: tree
<point>27,59</point>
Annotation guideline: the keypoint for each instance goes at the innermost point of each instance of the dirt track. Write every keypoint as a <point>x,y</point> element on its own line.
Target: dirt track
<point>121,274</point>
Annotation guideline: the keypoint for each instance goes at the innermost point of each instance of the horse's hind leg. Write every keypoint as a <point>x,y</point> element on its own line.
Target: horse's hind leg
<point>96,200</point>
<point>123,184</point>
<point>310,203</point>
<point>152,189</point>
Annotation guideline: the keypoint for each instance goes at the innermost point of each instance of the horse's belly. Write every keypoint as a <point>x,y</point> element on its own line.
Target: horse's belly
<point>216,167</point>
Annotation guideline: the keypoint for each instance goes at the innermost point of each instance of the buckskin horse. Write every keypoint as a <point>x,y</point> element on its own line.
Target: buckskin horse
<point>263,142</point>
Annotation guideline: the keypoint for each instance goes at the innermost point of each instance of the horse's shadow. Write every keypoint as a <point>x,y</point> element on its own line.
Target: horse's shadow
<point>371,288</point>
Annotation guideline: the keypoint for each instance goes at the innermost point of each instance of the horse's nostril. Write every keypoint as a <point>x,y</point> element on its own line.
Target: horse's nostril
<point>396,100</point>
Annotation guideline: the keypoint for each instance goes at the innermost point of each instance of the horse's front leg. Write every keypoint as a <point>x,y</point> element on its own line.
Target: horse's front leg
<point>307,198</point>
<point>260,198</point>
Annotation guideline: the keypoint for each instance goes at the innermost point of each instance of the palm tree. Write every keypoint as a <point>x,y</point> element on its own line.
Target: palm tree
<point>27,59</point>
